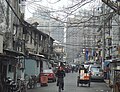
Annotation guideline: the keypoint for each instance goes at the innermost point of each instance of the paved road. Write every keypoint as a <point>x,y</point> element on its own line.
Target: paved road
<point>70,86</point>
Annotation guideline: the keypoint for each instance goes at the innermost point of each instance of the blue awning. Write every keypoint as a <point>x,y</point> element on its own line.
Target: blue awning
<point>107,62</point>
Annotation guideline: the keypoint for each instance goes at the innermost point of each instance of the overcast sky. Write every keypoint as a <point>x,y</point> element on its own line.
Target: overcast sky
<point>31,5</point>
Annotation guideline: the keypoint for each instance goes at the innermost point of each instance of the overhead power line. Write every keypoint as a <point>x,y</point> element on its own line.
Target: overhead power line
<point>80,26</point>
<point>13,11</point>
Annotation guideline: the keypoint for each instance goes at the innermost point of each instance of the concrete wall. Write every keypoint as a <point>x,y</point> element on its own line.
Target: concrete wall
<point>1,43</point>
<point>31,67</point>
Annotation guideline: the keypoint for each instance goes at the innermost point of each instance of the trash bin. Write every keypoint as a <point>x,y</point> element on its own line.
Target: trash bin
<point>44,80</point>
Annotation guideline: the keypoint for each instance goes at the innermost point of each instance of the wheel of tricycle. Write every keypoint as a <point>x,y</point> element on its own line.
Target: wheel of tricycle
<point>44,85</point>
<point>77,84</point>
<point>81,84</point>
<point>41,85</point>
<point>89,84</point>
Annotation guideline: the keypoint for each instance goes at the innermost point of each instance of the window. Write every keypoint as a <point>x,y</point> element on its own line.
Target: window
<point>31,37</point>
<point>11,68</point>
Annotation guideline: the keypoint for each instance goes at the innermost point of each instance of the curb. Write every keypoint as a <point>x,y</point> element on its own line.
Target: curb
<point>107,82</point>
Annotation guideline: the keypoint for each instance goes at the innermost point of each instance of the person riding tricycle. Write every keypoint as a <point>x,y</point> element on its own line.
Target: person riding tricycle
<point>83,77</point>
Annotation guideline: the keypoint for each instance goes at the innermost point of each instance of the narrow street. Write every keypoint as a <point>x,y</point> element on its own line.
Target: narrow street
<point>39,37</point>
<point>70,86</point>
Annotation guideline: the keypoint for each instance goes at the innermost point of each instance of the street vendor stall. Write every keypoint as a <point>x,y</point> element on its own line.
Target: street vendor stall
<point>115,75</point>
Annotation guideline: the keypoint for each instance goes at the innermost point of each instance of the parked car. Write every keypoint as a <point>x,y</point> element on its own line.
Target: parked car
<point>50,74</point>
<point>96,73</point>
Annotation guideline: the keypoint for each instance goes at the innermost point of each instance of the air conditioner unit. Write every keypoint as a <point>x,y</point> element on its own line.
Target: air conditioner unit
<point>19,35</point>
<point>15,38</point>
<point>30,45</point>
<point>40,49</point>
<point>27,37</point>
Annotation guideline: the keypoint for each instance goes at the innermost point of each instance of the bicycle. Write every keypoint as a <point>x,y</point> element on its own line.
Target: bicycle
<point>11,85</point>
<point>60,84</point>
<point>21,86</point>
<point>30,84</point>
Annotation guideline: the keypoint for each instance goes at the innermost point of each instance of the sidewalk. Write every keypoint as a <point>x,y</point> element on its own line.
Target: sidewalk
<point>108,85</point>
<point>107,82</point>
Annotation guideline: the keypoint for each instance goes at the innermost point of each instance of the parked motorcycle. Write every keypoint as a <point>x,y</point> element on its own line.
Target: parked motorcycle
<point>11,85</point>
<point>21,85</point>
<point>30,83</point>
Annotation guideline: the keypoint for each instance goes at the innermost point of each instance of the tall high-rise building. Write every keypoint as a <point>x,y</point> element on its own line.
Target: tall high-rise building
<point>47,24</point>
<point>81,34</point>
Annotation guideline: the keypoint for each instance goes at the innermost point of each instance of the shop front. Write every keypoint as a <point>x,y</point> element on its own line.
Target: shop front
<point>115,75</point>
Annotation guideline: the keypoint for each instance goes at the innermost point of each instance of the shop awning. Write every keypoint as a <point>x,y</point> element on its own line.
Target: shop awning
<point>36,55</point>
<point>5,59</point>
<point>107,62</point>
<point>13,52</point>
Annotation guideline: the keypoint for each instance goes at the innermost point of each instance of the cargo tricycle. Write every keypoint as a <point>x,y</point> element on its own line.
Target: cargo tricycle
<point>83,78</point>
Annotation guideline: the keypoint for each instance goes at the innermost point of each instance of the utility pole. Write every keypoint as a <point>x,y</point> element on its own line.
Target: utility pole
<point>103,38</point>
<point>22,8</point>
<point>109,39</point>
<point>103,46</point>
<point>49,29</point>
<point>84,43</point>
<point>65,30</point>
<point>94,50</point>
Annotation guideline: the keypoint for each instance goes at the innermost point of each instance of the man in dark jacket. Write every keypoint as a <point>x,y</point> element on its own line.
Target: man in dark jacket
<point>83,68</point>
<point>60,74</point>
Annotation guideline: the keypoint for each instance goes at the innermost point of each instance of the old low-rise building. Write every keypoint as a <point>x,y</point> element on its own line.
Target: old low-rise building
<point>19,43</point>
<point>39,47</point>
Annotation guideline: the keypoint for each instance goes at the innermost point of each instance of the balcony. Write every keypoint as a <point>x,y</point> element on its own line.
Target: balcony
<point>29,46</point>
